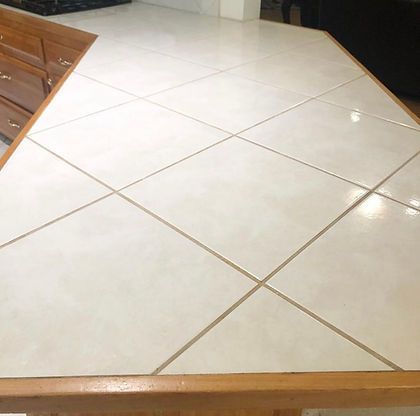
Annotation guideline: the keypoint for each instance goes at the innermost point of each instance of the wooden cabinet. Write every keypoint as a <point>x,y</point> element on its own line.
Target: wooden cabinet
<point>34,55</point>
<point>22,46</point>
<point>59,59</point>
<point>12,118</point>
<point>21,83</point>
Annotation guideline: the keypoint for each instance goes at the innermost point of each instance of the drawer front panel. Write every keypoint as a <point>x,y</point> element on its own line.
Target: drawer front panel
<point>22,46</point>
<point>59,59</point>
<point>12,119</point>
<point>22,84</point>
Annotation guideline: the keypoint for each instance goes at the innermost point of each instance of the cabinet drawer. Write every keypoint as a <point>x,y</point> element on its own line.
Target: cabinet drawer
<point>19,45</point>
<point>23,84</point>
<point>12,119</point>
<point>59,59</point>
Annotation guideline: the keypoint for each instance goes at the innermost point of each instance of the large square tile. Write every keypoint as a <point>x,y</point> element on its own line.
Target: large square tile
<point>148,292</point>
<point>345,142</point>
<point>247,203</point>
<point>405,184</point>
<point>104,51</point>
<point>365,95</point>
<point>228,102</point>
<point>129,142</point>
<point>215,52</point>
<point>300,73</point>
<point>79,97</point>
<point>369,262</point>
<point>37,187</point>
<point>272,37</point>
<point>282,339</point>
<point>328,50</point>
<point>147,73</point>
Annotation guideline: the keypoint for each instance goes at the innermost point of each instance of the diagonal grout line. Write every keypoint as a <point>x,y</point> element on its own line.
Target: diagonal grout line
<point>398,202</point>
<point>71,164</point>
<point>30,134</point>
<point>34,230</point>
<point>304,163</point>
<point>335,329</point>
<point>192,239</point>
<point>293,303</point>
<point>398,123</point>
<point>206,330</point>
<point>175,163</point>
<point>259,283</point>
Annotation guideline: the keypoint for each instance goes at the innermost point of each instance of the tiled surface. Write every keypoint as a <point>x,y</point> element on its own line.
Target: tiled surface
<point>325,49</point>
<point>138,288</point>
<point>281,340</point>
<point>242,200</point>
<point>104,51</point>
<point>105,148</point>
<point>79,97</point>
<point>366,96</point>
<point>37,188</point>
<point>164,295</point>
<point>355,146</point>
<point>298,72</point>
<point>405,184</point>
<point>146,73</point>
<point>369,261</point>
<point>229,102</point>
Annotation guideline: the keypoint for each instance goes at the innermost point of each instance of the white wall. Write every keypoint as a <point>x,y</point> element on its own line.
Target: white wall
<point>240,9</point>
<point>231,9</point>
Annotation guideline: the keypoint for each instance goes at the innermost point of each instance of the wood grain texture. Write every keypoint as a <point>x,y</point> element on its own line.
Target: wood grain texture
<point>210,392</point>
<point>248,412</point>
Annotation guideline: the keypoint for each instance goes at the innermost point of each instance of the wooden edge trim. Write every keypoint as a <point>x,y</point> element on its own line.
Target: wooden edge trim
<point>374,79</point>
<point>16,142</point>
<point>210,392</point>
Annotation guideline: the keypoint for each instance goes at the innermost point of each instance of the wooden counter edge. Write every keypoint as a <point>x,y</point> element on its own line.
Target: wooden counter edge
<point>210,392</point>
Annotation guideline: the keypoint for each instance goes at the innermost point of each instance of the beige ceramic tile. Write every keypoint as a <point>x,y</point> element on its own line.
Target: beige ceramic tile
<point>111,146</point>
<point>405,184</point>
<point>147,292</point>
<point>369,262</point>
<point>146,73</point>
<point>366,96</point>
<point>36,187</point>
<point>249,204</point>
<point>328,50</point>
<point>350,144</point>
<point>104,51</point>
<point>79,97</point>
<point>282,339</point>
<point>300,73</point>
<point>228,101</point>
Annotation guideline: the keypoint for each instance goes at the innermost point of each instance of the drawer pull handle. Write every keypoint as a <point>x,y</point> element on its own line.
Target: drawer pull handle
<point>63,62</point>
<point>14,124</point>
<point>50,82</point>
<point>4,76</point>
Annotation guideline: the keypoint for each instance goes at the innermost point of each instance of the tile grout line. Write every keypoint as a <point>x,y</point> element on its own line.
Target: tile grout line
<point>190,238</point>
<point>71,164</point>
<point>304,163</point>
<point>259,282</point>
<point>176,163</point>
<point>263,283</point>
<point>204,331</point>
<point>334,328</point>
<point>30,133</point>
<point>34,230</point>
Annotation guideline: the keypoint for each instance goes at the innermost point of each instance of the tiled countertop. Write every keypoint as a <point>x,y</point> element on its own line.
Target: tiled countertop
<point>203,196</point>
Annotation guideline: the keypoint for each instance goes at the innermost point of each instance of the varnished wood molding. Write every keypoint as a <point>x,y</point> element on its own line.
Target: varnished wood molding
<point>210,392</point>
